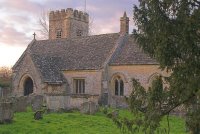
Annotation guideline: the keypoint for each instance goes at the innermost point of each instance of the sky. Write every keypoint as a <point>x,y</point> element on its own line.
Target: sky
<point>19,20</point>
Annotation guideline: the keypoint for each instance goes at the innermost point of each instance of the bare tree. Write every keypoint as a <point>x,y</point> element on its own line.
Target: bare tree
<point>43,23</point>
<point>5,72</point>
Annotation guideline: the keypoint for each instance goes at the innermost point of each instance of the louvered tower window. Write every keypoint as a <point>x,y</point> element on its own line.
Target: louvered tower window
<point>58,34</point>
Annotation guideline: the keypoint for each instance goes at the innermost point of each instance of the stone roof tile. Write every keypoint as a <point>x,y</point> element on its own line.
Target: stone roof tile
<point>84,53</point>
<point>131,54</point>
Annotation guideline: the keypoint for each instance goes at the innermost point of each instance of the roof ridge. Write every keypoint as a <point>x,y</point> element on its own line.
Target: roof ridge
<point>118,44</point>
<point>78,37</point>
<point>118,50</point>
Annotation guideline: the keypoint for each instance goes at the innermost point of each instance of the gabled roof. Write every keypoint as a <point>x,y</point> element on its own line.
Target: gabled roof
<point>49,68</point>
<point>131,54</point>
<point>84,53</point>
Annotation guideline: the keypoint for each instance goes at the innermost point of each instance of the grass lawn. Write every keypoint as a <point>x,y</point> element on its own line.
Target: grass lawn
<point>74,123</point>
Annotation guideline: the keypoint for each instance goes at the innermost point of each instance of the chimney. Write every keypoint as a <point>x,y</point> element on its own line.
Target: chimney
<point>124,24</point>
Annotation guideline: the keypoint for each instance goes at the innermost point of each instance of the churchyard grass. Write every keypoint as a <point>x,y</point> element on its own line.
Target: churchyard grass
<point>75,123</point>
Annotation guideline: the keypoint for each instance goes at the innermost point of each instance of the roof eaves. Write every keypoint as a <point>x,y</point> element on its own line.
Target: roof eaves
<point>129,64</point>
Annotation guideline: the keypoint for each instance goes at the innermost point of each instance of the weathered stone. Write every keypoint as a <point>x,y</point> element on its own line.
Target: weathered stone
<point>6,112</point>
<point>89,107</point>
<point>5,92</point>
<point>69,23</point>
<point>20,104</point>
<point>53,65</point>
<point>33,100</point>
<point>104,99</point>
<point>38,115</point>
<point>37,102</point>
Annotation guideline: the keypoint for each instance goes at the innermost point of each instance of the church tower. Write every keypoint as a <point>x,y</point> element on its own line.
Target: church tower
<point>124,24</point>
<point>68,23</point>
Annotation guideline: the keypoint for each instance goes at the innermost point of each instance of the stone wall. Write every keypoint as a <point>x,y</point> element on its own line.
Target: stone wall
<point>143,73</point>
<point>6,112</point>
<point>21,103</point>
<point>56,102</point>
<point>26,69</point>
<point>92,81</point>
<point>68,102</point>
<point>5,92</point>
<point>56,88</point>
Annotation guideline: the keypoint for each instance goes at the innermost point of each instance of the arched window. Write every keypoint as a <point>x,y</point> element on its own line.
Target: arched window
<point>119,87</point>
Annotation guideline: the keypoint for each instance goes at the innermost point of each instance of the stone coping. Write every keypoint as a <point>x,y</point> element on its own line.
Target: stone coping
<point>73,95</point>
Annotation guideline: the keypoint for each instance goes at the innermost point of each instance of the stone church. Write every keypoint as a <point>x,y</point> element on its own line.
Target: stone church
<point>72,67</point>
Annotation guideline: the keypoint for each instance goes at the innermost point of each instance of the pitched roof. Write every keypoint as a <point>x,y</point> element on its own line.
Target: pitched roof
<point>131,54</point>
<point>49,68</point>
<point>77,53</point>
<point>84,53</point>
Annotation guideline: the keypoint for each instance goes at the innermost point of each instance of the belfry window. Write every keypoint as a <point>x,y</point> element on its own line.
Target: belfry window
<point>58,33</point>
<point>119,87</point>
<point>79,86</point>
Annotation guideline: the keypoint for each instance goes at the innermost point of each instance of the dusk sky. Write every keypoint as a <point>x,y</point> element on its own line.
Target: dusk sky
<point>19,20</point>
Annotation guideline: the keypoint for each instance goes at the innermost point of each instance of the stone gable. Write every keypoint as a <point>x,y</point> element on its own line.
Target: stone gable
<point>72,70</point>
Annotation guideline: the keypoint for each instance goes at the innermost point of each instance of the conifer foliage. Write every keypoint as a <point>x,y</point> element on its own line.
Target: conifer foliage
<point>169,31</point>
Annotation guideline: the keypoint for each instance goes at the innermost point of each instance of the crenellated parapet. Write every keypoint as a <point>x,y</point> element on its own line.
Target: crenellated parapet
<point>69,13</point>
<point>67,23</point>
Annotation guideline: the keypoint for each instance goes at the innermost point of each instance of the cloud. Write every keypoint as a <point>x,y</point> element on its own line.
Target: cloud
<point>106,15</point>
<point>21,5</point>
<point>11,36</point>
<point>19,18</point>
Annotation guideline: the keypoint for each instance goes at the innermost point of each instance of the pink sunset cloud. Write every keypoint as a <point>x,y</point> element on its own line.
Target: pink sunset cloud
<point>19,18</point>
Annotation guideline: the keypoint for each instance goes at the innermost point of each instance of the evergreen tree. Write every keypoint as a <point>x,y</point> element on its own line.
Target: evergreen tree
<point>169,31</point>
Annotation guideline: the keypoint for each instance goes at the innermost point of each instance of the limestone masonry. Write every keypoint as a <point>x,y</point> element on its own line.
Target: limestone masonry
<point>72,67</point>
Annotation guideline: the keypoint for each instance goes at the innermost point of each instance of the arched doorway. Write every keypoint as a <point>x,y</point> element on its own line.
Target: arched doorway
<point>28,86</point>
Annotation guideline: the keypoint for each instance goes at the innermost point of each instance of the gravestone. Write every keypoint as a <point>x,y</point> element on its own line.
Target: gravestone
<point>33,100</point>
<point>20,104</point>
<point>37,102</point>
<point>38,115</point>
<point>89,107</point>
<point>6,112</point>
